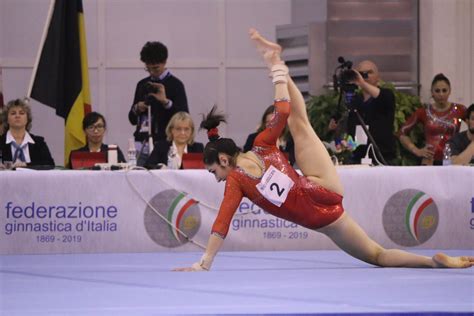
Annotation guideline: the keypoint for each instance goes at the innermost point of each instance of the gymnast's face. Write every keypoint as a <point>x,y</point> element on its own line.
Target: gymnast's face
<point>222,170</point>
<point>441,91</point>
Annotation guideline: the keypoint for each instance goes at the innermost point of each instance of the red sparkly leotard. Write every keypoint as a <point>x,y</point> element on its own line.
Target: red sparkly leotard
<point>307,203</point>
<point>438,127</point>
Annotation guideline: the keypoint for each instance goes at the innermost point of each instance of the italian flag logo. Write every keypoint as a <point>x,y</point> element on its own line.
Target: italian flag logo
<point>415,209</point>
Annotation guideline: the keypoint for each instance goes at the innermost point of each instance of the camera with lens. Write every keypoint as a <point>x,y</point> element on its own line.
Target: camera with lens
<point>150,88</point>
<point>344,75</point>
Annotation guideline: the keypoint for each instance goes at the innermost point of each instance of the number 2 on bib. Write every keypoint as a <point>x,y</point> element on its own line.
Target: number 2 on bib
<point>275,186</point>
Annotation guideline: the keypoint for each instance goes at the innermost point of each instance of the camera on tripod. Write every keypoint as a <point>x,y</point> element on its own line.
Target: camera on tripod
<point>344,75</point>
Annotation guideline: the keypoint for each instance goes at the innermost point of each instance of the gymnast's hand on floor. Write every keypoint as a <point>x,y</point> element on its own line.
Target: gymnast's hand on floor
<point>196,267</point>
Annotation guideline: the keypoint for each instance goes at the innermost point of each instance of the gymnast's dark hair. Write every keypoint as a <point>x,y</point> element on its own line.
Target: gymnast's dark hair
<point>440,77</point>
<point>217,144</point>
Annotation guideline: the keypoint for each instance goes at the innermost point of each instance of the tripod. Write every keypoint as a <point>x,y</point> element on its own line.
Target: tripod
<point>346,94</point>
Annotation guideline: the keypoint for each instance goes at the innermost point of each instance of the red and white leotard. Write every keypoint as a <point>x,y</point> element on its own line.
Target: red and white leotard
<point>438,127</point>
<point>307,203</point>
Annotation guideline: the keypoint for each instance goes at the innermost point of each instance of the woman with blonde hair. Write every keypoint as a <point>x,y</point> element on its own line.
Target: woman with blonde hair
<point>180,134</point>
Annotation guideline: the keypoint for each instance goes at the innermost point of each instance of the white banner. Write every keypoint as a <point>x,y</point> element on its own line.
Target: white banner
<point>111,211</point>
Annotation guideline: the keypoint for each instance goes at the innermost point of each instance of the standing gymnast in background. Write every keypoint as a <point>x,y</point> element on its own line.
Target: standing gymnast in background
<point>313,200</point>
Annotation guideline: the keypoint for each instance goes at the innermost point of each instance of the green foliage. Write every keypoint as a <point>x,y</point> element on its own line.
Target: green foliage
<point>323,107</point>
<point>320,111</point>
<point>405,105</point>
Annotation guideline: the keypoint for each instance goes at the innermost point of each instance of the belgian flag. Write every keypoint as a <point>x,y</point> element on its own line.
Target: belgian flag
<point>60,79</point>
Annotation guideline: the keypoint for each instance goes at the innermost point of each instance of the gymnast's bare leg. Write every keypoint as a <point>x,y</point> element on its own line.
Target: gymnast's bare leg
<point>310,153</point>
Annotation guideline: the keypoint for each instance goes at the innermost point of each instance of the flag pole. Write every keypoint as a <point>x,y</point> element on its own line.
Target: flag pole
<point>43,39</point>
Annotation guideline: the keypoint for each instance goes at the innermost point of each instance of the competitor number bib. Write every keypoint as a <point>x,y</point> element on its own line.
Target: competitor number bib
<point>275,186</point>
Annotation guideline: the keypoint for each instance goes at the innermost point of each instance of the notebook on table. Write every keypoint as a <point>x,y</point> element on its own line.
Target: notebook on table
<point>193,161</point>
<point>86,159</point>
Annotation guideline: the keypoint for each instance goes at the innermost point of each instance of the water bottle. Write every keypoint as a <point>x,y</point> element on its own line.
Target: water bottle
<point>112,154</point>
<point>447,155</point>
<point>172,155</point>
<point>132,153</point>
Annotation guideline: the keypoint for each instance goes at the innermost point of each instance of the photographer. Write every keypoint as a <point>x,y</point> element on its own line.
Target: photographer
<point>162,91</point>
<point>377,108</point>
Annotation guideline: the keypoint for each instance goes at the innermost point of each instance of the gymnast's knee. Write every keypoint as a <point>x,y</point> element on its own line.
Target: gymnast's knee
<point>380,258</point>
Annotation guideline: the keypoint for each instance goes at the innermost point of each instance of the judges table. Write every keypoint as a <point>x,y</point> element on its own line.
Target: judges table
<point>140,211</point>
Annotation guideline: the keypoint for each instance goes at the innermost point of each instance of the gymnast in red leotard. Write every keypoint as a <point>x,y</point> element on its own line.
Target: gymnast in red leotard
<point>312,200</point>
<point>306,204</point>
<point>440,120</point>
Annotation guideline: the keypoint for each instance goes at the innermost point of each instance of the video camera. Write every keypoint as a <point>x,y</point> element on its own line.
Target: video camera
<point>344,74</point>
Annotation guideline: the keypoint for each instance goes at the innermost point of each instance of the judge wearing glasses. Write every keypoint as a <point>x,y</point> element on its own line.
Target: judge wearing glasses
<point>94,126</point>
